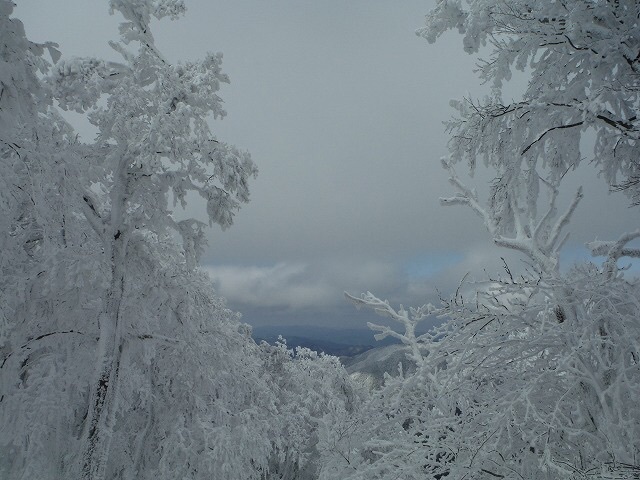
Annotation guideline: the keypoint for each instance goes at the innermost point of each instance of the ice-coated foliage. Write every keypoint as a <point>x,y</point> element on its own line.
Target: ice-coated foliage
<point>153,146</point>
<point>316,398</point>
<point>582,59</point>
<point>192,404</point>
<point>536,375</point>
<point>24,201</point>
<point>117,359</point>
<point>509,387</point>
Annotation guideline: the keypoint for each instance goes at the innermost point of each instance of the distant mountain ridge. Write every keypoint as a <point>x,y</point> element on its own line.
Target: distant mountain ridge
<point>366,359</point>
<point>332,341</point>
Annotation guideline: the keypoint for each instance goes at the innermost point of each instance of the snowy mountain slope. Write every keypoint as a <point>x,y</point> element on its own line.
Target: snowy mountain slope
<point>368,368</point>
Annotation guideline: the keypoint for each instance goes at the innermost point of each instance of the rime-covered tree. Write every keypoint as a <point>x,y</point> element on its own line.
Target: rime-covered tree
<point>534,376</point>
<point>508,388</point>
<point>315,398</point>
<point>23,200</point>
<point>154,142</point>
<point>41,239</point>
<point>118,359</point>
<point>582,59</point>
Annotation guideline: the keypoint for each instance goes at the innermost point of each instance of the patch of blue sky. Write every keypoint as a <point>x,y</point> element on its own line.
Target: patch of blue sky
<point>429,264</point>
<point>571,255</point>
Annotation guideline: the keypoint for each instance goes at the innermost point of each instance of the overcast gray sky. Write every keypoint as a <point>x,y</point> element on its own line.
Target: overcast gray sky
<point>341,106</point>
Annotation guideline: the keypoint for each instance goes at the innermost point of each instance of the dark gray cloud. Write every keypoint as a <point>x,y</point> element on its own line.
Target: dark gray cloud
<point>341,107</point>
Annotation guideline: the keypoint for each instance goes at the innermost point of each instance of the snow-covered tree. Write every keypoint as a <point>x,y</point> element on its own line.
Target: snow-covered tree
<point>316,398</point>
<point>41,241</point>
<point>535,375</point>
<point>23,200</point>
<point>153,143</point>
<point>508,388</point>
<point>118,360</point>
<point>582,59</point>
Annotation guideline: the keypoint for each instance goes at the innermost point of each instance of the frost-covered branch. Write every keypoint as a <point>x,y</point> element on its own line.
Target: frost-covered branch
<point>552,244</point>
<point>561,44</point>
<point>465,196</point>
<point>614,250</point>
<point>537,376</point>
<point>539,239</point>
<point>408,319</point>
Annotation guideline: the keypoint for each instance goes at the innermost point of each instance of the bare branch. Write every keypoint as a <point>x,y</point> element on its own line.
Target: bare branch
<point>571,125</point>
<point>39,337</point>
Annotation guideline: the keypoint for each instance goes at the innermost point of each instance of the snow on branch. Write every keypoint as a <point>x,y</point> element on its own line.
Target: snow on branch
<point>539,238</point>
<point>408,319</point>
<point>614,250</point>
<point>562,222</point>
<point>465,196</point>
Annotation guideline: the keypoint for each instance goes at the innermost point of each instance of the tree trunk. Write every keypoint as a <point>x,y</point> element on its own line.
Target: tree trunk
<point>100,419</point>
